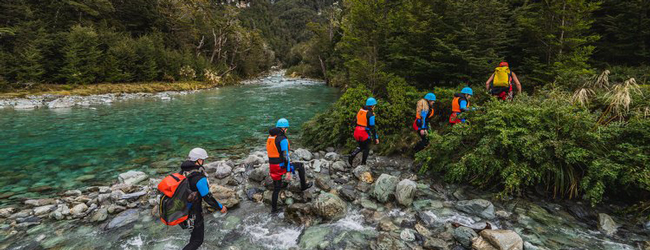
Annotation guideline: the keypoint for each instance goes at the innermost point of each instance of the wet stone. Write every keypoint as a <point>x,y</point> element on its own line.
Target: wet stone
<point>123,219</point>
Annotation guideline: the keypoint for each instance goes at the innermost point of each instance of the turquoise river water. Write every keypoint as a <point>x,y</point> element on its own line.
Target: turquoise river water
<point>46,151</point>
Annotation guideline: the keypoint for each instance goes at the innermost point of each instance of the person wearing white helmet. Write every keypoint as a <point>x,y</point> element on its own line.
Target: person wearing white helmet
<point>192,168</point>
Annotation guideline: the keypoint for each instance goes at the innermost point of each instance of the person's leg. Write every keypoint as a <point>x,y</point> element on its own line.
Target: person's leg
<point>301,173</point>
<point>196,240</point>
<point>355,152</point>
<point>423,142</point>
<point>277,185</point>
<point>365,146</point>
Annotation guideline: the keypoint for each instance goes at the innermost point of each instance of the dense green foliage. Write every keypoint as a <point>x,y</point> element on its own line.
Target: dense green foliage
<point>92,41</point>
<point>589,143</point>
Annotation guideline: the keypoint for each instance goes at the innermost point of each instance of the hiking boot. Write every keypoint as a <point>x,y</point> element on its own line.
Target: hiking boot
<point>309,185</point>
<point>351,159</point>
<point>276,211</point>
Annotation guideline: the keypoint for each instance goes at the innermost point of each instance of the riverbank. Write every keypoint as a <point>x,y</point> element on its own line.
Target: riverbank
<point>383,205</point>
<point>106,88</point>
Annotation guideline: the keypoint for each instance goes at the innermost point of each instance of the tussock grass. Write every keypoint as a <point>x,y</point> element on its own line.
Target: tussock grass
<point>105,88</point>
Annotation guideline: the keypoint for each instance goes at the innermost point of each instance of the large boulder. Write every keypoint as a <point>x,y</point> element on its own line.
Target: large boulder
<point>606,224</point>
<point>384,187</point>
<point>300,214</point>
<point>464,236</point>
<point>405,192</point>
<point>331,156</point>
<point>329,206</point>
<point>221,169</point>
<point>259,174</point>
<point>359,170</point>
<point>339,166</point>
<point>224,195</point>
<point>478,207</point>
<point>254,160</point>
<point>498,239</point>
<point>123,219</point>
<point>312,237</point>
<point>132,177</point>
<point>303,154</point>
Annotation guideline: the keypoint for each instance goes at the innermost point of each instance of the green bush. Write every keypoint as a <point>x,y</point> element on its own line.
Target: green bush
<point>543,140</point>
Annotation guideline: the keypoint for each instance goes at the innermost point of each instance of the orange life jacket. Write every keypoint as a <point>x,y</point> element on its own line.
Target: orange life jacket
<point>273,149</point>
<point>455,104</point>
<point>362,118</point>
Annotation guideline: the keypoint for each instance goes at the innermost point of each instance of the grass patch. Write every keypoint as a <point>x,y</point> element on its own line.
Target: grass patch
<point>106,88</point>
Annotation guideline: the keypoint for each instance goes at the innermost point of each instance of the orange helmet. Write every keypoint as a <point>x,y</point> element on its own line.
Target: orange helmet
<point>503,64</point>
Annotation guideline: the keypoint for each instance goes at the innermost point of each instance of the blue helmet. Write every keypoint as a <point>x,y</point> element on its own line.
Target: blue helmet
<point>430,97</point>
<point>467,90</point>
<point>282,123</point>
<point>371,102</point>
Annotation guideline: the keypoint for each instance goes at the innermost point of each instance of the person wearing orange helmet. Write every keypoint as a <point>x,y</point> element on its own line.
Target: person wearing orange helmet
<point>500,83</point>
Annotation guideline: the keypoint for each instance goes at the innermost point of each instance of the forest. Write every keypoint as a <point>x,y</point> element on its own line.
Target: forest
<point>581,128</point>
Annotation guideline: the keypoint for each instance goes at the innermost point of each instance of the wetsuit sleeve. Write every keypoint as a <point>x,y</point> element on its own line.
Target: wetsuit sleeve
<point>284,147</point>
<point>204,190</point>
<point>371,125</point>
<point>463,105</point>
<point>423,119</point>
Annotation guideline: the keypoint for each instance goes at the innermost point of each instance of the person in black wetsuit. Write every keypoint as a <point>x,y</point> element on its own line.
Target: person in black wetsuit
<point>193,170</point>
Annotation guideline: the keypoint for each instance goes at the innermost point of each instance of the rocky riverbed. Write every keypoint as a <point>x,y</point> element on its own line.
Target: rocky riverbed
<point>63,101</point>
<point>383,205</point>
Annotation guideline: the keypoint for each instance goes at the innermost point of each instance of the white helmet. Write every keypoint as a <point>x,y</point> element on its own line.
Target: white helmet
<point>197,153</point>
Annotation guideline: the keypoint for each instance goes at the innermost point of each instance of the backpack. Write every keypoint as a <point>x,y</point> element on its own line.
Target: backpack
<point>173,203</point>
<point>502,77</point>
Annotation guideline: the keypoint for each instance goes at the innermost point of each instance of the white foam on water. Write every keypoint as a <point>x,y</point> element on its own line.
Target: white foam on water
<point>280,238</point>
<point>352,221</point>
<point>134,243</point>
<point>397,212</point>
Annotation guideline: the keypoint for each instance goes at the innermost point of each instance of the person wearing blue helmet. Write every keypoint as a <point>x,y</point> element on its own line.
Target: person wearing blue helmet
<point>460,104</point>
<point>277,148</point>
<point>365,130</point>
<point>423,114</point>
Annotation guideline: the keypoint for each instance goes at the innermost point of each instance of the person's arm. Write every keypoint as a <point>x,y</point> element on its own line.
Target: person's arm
<point>423,120</point>
<point>517,83</point>
<point>204,191</point>
<point>463,105</point>
<point>284,150</point>
<point>487,83</point>
<point>371,125</point>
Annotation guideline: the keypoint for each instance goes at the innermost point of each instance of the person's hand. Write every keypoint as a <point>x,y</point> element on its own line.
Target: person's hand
<point>288,178</point>
<point>423,132</point>
<point>224,209</point>
<point>376,141</point>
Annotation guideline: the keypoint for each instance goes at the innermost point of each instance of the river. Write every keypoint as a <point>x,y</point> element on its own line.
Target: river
<point>45,151</point>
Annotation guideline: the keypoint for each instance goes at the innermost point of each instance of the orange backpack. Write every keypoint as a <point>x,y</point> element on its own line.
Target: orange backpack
<point>173,203</point>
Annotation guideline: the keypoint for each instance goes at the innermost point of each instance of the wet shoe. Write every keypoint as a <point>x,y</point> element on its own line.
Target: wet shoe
<point>276,211</point>
<point>309,185</point>
<point>350,159</point>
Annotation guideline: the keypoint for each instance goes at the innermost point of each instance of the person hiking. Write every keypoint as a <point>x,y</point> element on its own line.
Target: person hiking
<point>193,169</point>
<point>364,130</point>
<point>423,114</point>
<point>500,83</point>
<point>460,104</point>
<point>277,148</point>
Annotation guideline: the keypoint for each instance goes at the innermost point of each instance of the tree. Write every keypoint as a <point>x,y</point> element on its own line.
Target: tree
<point>81,56</point>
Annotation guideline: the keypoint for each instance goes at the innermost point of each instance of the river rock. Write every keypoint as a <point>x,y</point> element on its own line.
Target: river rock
<point>299,214</point>
<point>405,192</point>
<point>6,212</point>
<point>464,236</point>
<point>606,224</point>
<point>360,170</point>
<point>64,102</point>
<point>78,210</point>
<point>498,240</point>
<point>74,192</point>
<point>478,207</point>
<point>339,166</point>
<point>331,156</point>
<point>368,204</point>
<point>646,226</point>
<point>348,193</point>
<point>253,160</point>
<point>303,154</point>
<point>221,169</point>
<point>407,235</point>
<point>386,242</point>
<point>384,187</point>
<point>312,237</point>
<point>99,215</point>
<point>21,214</point>
<point>386,224</point>
<point>133,196</point>
<point>43,210</point>
<point>132,177</point>
<point>117,195</point>
<point>224,195</point>
<point>123,219</point>
<point>259,174</point>
<point>113,208</point>
<point>330,206</point>
<point>40,202</point>
<point>323,183</point>
<point>124,187</point>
